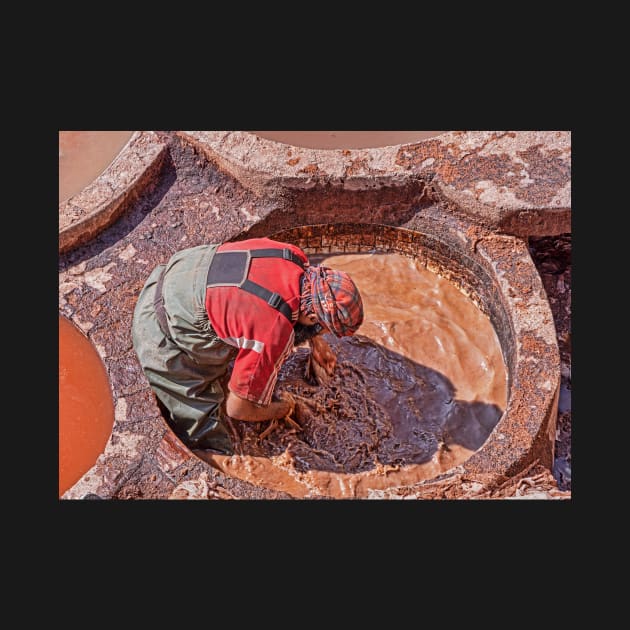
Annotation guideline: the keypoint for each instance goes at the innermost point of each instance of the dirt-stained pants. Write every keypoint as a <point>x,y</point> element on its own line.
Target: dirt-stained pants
<point>185,363</point>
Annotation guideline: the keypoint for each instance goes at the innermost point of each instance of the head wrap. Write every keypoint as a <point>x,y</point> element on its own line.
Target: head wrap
<point>334,298</point>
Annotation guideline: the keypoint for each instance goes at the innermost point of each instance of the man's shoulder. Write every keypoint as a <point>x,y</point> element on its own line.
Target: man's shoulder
<point>261,243</point>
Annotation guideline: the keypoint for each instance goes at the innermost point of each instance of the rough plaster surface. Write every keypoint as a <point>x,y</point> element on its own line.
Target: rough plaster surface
<point>185,188</point>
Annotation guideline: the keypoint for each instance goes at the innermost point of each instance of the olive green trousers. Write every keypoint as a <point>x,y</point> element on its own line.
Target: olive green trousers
<point>186,363</point>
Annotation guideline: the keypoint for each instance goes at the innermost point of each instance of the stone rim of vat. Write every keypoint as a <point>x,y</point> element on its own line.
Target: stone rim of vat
<point>102,201</point>
<point>517,182</point>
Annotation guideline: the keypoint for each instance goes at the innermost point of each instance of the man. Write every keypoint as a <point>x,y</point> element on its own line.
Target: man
<point>249,301</point>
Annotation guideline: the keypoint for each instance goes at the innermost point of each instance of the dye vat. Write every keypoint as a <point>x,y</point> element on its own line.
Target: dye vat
<point>416,391</point>
<point>84,155</point>
<point>86,408</point>
<point>346,139</point>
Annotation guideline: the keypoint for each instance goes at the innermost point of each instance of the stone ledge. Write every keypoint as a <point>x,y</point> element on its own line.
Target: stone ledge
<point>515,182</point>
<point>97,206</point>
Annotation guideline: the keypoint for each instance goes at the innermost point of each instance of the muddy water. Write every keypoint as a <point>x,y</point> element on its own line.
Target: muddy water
<point>415,392</point>
<point>86,408</point>
<point>346,139</point>
<point>84,155</point>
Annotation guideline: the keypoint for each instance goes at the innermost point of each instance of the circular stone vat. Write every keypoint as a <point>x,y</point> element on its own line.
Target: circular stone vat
<point>86,407</point>
<point>496,273</point>
<point>346,139</point>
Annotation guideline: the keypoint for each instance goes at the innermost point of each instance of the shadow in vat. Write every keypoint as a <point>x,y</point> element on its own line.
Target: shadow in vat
<point>380,407</point>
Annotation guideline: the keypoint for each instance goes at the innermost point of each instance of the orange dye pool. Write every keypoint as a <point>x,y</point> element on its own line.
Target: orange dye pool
<point>346,139</point>
<point>86,407</point>
<point>84,155</point>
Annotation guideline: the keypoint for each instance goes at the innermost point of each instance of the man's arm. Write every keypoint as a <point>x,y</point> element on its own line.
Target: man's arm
<point>323,354</point>
<point>242,409</point>
<point>321,361</point>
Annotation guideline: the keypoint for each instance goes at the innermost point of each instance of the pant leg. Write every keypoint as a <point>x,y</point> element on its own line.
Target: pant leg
<point>189,388</point>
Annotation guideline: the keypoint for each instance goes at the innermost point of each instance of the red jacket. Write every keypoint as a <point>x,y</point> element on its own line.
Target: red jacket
<point>263,335</point>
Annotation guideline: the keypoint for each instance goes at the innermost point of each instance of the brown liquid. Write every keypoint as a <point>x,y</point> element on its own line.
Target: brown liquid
<point>346,139</point>
<point>86,408</point>
<point>84,155</point>
<point>415,392</point>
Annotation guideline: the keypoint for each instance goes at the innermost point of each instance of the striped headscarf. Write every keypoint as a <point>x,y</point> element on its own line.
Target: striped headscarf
<point>334,298</point>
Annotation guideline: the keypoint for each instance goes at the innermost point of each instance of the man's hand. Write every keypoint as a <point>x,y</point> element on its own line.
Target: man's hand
<point>323,354</point>
<point>285,397</point>
<point>322,362</point>
<point>241,409</point>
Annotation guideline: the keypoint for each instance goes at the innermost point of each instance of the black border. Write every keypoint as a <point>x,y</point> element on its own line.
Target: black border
<point>412,531</point>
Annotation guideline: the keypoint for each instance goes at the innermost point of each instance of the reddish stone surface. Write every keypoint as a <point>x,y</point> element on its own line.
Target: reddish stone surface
<point>516,182</point>
<point>193,201</point>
